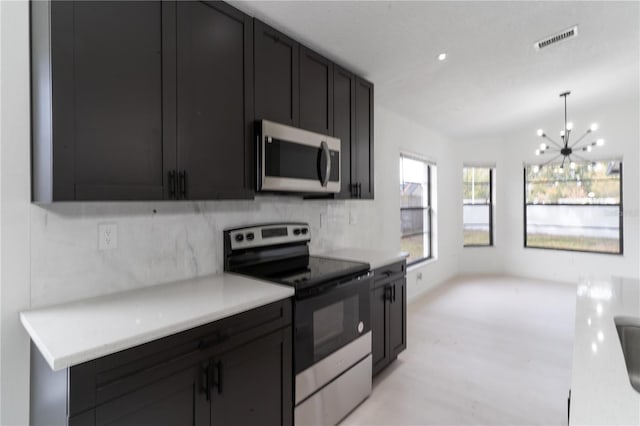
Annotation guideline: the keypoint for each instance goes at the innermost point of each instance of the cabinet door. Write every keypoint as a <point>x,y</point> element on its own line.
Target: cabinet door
<point>316,92</point>
<point>363,159</point>
<point>176,400</point>
<point>380,327</point>
<point>276,73</point>
<point>398,318</point>
<point>214,94</point>
<point>254,385</point>
<point>108,97</point>
<point>344,124</point>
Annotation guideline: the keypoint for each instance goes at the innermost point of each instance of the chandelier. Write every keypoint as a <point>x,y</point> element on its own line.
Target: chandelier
<point>567,148</point>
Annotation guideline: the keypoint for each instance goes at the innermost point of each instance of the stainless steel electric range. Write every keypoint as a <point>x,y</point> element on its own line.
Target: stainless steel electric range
<point>332,331</point>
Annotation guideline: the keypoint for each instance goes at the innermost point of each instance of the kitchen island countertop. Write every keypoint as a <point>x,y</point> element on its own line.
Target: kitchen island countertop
<point>600,389</point>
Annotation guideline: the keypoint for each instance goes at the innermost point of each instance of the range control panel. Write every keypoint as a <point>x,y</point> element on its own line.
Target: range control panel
<point>267,235</point>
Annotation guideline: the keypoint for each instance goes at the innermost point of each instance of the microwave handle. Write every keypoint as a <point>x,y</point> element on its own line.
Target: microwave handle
<point>327,171</point>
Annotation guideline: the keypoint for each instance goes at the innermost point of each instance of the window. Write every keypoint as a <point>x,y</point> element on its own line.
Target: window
<point>415,208</point>
<point>477,206</point>
<point>575,208</point>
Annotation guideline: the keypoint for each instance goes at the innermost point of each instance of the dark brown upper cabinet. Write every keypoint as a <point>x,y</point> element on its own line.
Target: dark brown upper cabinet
<point>143,100</point>
<point>363,154</point>
<point>344,126</point>
<point>100,127</point>
<point>215,100</point>
<point>353,124</point>
<point>276,76</point>
<point>316,92</point>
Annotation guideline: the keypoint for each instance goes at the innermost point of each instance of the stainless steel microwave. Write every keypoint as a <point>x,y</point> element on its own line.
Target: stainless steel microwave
<point>296,160</point>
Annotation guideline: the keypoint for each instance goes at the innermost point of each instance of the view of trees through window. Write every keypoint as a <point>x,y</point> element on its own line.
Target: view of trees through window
<point>578,207</point>
<point>415,208</point>
<point>477,214</point>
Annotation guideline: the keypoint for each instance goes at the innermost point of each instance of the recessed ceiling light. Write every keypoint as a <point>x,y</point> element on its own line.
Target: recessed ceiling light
<point>442,56</point>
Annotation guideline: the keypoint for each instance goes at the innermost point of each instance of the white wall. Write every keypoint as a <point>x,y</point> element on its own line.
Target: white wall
<point>14,205</point>
<point>485,260</point>
<point>619,125</point>
<point>399,134</point>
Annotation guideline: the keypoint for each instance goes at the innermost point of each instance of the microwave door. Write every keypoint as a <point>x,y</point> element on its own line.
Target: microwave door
<point>296,160</point>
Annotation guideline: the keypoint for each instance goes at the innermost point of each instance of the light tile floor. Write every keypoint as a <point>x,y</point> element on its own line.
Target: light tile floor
<point>481,351</point>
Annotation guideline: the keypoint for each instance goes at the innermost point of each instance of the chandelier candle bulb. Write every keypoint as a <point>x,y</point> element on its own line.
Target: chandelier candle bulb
<point>540,132</point>
<point>600,142</point>
<point>570,126</point>
<point>543,146</point>
<point>593,127</point>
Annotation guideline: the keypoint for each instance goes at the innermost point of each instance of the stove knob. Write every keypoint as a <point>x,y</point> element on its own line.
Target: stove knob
<point>296,231</point>
<point>239,237</point>
<point>250,236</point>
<point>305,231</point>
<point>360,327</point>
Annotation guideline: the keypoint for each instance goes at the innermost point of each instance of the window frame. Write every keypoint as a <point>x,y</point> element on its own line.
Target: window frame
<point>490,205</point>
<point>620,206</point>
<point>428,208</point>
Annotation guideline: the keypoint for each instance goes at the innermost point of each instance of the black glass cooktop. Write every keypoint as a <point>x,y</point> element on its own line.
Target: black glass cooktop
<point>309,271</point>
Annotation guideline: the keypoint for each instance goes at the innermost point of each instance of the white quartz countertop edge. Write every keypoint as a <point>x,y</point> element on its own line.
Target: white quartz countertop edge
<point>69,334</point>
<point>375,258</point>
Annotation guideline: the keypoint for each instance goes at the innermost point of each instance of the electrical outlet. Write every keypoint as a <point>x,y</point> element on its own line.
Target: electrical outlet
<point>107,236</point>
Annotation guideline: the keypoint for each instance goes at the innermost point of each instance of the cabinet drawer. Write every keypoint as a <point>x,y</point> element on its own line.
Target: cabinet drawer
<point>103,379</point>
<point>385,274</point>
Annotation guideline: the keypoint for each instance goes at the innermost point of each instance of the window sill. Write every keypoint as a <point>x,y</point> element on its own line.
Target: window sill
<point>421,263</point>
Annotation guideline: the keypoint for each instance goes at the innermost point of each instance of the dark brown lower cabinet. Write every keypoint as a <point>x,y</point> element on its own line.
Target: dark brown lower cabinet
<point>388,315</point>
<point>253,380</point>
<point>235,371</point>
<point>172,401</point>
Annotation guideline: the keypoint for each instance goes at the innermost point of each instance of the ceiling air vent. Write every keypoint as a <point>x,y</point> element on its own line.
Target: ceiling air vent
<point>556,38</point>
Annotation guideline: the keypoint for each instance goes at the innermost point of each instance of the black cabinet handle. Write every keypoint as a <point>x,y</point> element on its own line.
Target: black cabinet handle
<point>171,184</point>
<point>206,380</point>
<point>388,293</point>
<point>218,381</point>
<point>182,184</point>
<point>394,293</point>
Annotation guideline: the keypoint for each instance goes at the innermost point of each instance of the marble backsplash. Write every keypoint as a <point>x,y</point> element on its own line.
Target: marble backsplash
<point>160,242</point>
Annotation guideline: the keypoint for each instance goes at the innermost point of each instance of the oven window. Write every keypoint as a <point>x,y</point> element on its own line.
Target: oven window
<point>334,326</point>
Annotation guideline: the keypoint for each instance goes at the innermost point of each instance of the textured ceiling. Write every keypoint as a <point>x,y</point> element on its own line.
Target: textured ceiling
<point>493,80</point>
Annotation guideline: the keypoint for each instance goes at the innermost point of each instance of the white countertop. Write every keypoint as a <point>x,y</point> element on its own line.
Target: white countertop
<point>601,393</point>
<point>375,258</point>
<point>76,332</point>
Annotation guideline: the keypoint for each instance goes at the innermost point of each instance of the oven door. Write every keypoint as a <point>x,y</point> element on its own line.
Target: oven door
<point>292,159</point>
<point>328,320</point>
